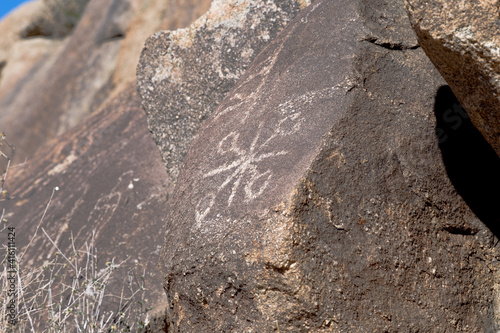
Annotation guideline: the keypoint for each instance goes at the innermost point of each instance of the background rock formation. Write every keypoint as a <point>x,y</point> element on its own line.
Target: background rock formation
<point>462,39</point>
<point>184,74</point>
<point>64,79</point>
<point>327,193</point>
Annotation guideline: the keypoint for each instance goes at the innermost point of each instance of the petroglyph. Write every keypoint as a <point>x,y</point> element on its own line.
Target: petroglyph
<point>253,97</point>
<point>245,164</point>
<point>106,205</point>
<point>243,174</point>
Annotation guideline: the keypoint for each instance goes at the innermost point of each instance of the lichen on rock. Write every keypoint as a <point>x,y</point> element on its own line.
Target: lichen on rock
<point>184,74</point>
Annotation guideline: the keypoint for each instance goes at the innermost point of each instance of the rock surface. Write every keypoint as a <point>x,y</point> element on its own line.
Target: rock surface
<point>329,192</point>
<point>153,16</point>
<point>19,56</point>
<point>13,25</point>
<point>69,85</point>
<point>111,181</point>
<point>108,171</point>
<point>50,84</point>
<point>184,74</point>
<point>462,39</point>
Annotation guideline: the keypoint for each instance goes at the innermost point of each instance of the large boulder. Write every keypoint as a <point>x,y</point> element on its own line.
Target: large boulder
<point>184,74</point>
<point>462,39</point>
<point>20,56</point>
<point>112,193</point>
<point>15,23</point>
<point>327,194</point>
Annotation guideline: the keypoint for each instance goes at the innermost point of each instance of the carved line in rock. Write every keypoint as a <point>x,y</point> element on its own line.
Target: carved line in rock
<point>106,205</point>
<point>252,98</point>
<point>245,164</point>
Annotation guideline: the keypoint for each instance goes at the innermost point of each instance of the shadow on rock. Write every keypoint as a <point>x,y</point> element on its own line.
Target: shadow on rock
<point>471,163</point>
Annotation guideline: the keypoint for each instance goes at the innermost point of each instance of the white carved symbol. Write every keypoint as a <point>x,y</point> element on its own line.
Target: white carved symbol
<point>245,165</point>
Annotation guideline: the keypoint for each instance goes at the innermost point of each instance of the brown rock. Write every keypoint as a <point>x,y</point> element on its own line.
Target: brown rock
<point>20,57</point>
<point>319,197</point>
<point>184,74</point>
<point>462,39</point>
<point>56,20</point>
<point>51,101</point>
<point>25,58</point>
<point>111,182</point>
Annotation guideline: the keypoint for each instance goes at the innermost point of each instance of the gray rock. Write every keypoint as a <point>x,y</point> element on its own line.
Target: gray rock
<point>328,193</point>
<point>184,74</point>
<point>462,39</point>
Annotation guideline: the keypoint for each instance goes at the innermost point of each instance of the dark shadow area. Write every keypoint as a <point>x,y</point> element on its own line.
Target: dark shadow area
<point>2,66</point>
<point>56,19</point>
<point>472,165</point>
<point>36,29</point>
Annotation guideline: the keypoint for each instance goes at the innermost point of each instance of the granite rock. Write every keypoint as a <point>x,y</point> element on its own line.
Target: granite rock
<point>329,193</point>
<point>462,39</point>
<point>184,74</point>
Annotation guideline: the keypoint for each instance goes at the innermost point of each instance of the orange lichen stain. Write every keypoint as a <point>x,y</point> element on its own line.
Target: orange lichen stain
<point>361,221</point>
<point>340,158</point>
<point>178,309</point>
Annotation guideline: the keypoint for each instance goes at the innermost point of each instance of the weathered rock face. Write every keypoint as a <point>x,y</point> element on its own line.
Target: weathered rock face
<point>19,56</point>
<point>48,85</point>
<point>111,181</point>
<point>56,20</point>
<point>53,101</point>
<point>184,74</point>
<point>329,192</point>
<point>462,39</point>
<point>151,17</point>
<point>13,25</point>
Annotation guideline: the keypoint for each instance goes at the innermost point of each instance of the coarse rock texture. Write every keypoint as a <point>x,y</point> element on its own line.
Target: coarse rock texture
<point>329,193</point>
<point>51,83</point>
<point>462,39</point>
<point>152,16</point>
<point>113,190</point>
<point>109,179</point>
<point>184,74</point>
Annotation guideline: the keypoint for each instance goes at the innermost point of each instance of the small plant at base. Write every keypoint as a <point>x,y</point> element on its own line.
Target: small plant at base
<point>6,155</point>
<point>62,296</point>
